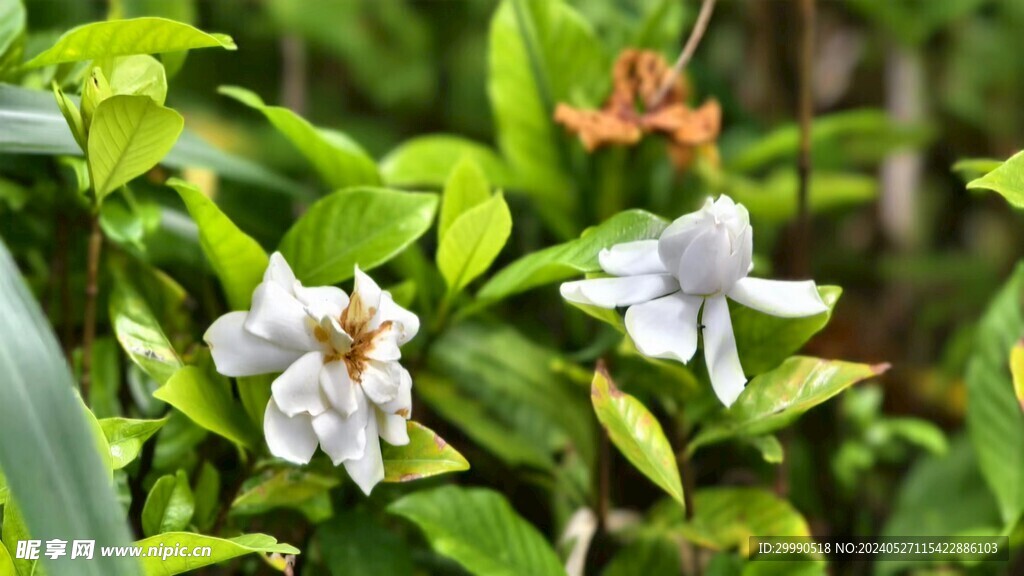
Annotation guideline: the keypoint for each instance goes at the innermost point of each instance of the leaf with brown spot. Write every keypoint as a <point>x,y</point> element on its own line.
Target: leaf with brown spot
<point>426,454</point>
<point>636,433</point>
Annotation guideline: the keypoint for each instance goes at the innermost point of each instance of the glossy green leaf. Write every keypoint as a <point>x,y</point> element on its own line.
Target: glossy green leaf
<point>572,258</point>
<point>1007,180</point>
<point>465,188</point>
<point>221,549</point>
<point>338,159</point>
<point>995,421</point>
<point>72,116</point>
<point>127,37</point>
<point>426,454</point>
<point>775,399</point>
<point>726,518</point>
<point>473,242</point>
<point>140,335</point>
<point>1017,371</point>
<point>354,543</point>
<point>637,434</point>
<point>237,259</point>
<point>126,437</point>
<point>764,340</point>
<point>647,556</point>
<point>207,496</point>
<point>46,450</point>
<point>12,25</point>
<point>128,136</point>
<point>430,160</point>
<point>285,488</point>
<point>169,505</point>
<point>138,75</point>
<point>364,226</point>
<point>206,399</point>
<point>478,529</point>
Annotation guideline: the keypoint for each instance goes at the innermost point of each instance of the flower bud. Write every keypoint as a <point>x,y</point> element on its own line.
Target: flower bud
<point>709,250</point>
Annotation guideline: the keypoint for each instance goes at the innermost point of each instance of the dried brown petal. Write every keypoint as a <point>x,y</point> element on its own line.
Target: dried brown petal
<point>597,127</point>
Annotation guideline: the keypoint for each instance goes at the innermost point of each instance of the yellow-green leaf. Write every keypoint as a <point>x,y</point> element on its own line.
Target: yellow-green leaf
<point>426,454</point>
<point>466,187</point>
<point>726,518</point>
<point>473,242</point>
<point>126,437</point>
<point>206,399</point>
<point>1017,370</point>
<point>169,506</point>
<point>221,550</point>
<point>1007,179</point>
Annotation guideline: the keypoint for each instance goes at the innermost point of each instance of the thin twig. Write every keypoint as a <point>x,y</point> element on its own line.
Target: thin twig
<point>688,49</point>
<point>91,291</point>
<point>807,16</point>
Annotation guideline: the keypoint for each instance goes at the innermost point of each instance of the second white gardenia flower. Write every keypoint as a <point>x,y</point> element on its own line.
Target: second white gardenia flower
<point>700,259</point>
<point>341,386</point>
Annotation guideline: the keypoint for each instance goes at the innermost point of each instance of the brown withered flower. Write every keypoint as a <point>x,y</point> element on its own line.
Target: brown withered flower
<point>636,107</point>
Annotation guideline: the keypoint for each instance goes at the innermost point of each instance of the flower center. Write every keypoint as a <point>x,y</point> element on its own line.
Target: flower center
<point>353,343</point>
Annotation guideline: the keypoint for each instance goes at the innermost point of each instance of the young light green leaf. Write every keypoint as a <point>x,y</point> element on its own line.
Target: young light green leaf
<point>126,37</point>
<point>72,115</point>
<point>995,421</point>
<point>473,242</point>
<point>237,259</point>
<point>726,518</point>
<point>430,160</point>
<point>138,75</point>
<point>126,437</point>
<point>775,399</point>
<point>1017,371</point>
<point>636,433</point>
<point>285,488</point>
<point>206,399</point>
<point>128,136</point>
<point>1007,180</point>
<point>572,258</point>
<point>338,160</point>
<point>426,454</point>
<point>465,188</point>
<point>478,529</point>
<point>169,506</point>
<point>6,562</point>
<point>769,447</point>
<point>140,334</point>
<point>157,562</point>
<point>364,226</point>
<point>764,340</point>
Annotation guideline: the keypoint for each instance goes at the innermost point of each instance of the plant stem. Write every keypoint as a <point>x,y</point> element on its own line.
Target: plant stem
<point>603,481</point>
<point>91,291</point>
<point>703,18</point>
<point>802,264</point>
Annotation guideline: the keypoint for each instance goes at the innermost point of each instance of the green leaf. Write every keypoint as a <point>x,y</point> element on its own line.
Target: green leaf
<point>1007,180</point>
<point>206,399</point>
<point>465,188</point>
<point>237,259</point>
<point>726,518</point>
<point>636,433</point>
<point>764,340</point>
<point>769,447</point>
<point>478,529</point>
<point>72,116</point>
<point>221,550</point>
<point>139,75</point>
<point>426,454</point>
<point>775,399</point>
<point>207,496</point>
<point>46,449</point>
<point>972,168</point>
<point>995,421</point>
<point>128,136</point>
<point>473,242</point>
<point>355,543</point>
<point>364,226</point>
<point>430,160</point>
<point>127,37</point>
<point>12,25</point>
<point>126,437</point>
<point>140,334</point>
<point>647,556</point>
<point>6,563</point>
<point>169,506</point>
<point>285,488</point>
<point>338,160</point>
<point>572,258</point>
<point>15,530</point>
<point>772,201</point>
<point>1017,371</point>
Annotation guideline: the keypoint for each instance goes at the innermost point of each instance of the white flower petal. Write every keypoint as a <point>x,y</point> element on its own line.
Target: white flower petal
<point>392,428</point>
<point>279,272</point>
<point>720,352</point>
<point>680,233</point>
<point>322,300</point>
<point>632,259</point>
<point>343,438</point>
<point>367,471</point>
<point>408,324</point>
<point>291,438</point>
<point>277,316</point>
<point>339,340</point>
<point>384,346</point>
<point>666,327</point>
<point>381,381</point>
<point>236,352</point>
<point>778,297</point>
<point>700,269</point>
<point>297,390</point>
<point>368,290</point>
<point>616,292</point>
<point>402,404</point>
<point>339,388</point>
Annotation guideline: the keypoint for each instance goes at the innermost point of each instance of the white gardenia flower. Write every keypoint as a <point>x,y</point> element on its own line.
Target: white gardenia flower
<point>700,259</point>
<point>341,384</point>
